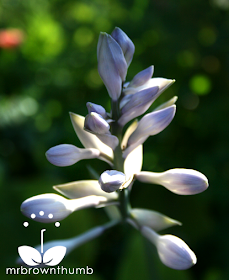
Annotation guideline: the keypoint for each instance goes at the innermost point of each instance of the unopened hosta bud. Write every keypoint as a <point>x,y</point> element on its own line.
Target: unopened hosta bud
<point>137,104</point>
<point>112,65</point>
<point>178,180</point>
<point>162,83</point>
<point>88,139</point>
<point>96,109</point>
<point>66,154</point>
<point>172,251</point>
<point>142,77</point>
<point>96,123</point>
<point>50,207</point>
<point>111,180</point>
<point>125,43</point>
<point>152,124</point>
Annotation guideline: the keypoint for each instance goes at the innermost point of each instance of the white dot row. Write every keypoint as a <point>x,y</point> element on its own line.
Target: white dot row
<point>25,224</point>
<point>41,213</point>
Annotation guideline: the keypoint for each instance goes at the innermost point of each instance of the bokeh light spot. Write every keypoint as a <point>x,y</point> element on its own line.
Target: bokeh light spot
<point>200,84</point>
<point>93,79</point>
<point>207,36</point>
<point>83,36</point>
<point>28,106</point>
<point>48,40</point>
<point>83,12</point>
<point>42,122</point>
<point>210,64</point>
<point>186,59</point>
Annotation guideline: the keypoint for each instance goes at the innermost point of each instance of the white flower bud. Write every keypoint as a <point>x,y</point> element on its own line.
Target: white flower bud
<point>172,251</point>
<point>96,109</point>
<point>66,155</point>
<point>125,43</point>
<point>178,180</point>
<point>49,208</point>
<point>111,180</point>
<point>112,65</point>
<point>96,123</point>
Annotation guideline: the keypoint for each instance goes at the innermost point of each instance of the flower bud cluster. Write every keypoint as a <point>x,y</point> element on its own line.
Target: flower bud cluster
<point>101,134</point>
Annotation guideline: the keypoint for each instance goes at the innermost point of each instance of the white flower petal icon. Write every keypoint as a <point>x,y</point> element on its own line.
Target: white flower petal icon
<point>33,257</point>
<point>30,255</point>
<point>54,255</point>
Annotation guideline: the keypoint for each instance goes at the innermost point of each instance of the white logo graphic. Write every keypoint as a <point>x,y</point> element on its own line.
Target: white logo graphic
<point>33,257</point>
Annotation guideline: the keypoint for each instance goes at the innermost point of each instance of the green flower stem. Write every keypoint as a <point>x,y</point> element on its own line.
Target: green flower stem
<point>124,203</point>
<point>110,224</point>
<point>116,130</point>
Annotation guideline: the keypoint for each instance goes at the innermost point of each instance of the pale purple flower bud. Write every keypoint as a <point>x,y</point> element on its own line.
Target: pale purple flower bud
<point>96,109</point>
<point>96,123</point>
<point>50,207</point>
<point>90,140</point>
<point>132,147</point>
<point>125,43</point>
<point>178,180</point>
<point>162,83</point>
<point>66,155</point>
<point>111,180</point>
<point>138,104</point>
<point>152,124</point>
<point>108,139</point>
<point>112,65</point>
<point>172,251</point>
<point>142,77</point>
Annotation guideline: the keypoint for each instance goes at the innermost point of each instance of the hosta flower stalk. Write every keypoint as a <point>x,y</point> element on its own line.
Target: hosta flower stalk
<point>105,136</point>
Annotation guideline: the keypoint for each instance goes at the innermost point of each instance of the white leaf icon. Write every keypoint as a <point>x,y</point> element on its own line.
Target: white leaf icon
<point>29,255</point>
<point>54,255</point>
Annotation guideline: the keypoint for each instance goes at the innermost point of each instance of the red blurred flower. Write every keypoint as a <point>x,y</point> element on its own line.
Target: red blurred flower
<point>11,38</point>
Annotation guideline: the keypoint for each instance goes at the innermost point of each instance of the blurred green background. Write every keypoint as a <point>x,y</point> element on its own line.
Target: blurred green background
<point>53,71</point>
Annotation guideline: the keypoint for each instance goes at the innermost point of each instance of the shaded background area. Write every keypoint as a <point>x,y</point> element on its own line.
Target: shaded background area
<point>51,69</point>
